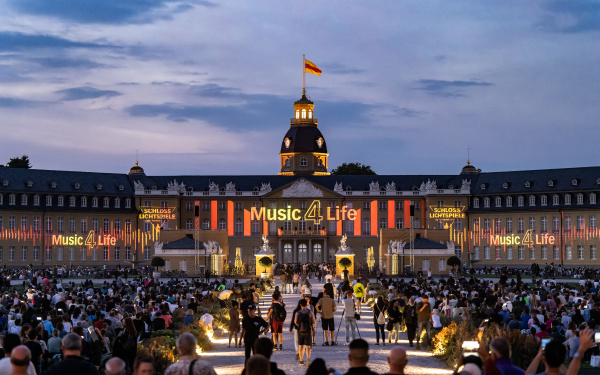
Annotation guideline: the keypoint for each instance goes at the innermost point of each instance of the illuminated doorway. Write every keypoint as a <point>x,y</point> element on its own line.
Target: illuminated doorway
<point>302,253</point>
<point>317,253</point>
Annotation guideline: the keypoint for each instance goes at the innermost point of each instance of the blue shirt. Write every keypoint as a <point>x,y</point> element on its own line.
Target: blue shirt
<point>525,321</point>
<point>506,367</point>
<point>48,326</point>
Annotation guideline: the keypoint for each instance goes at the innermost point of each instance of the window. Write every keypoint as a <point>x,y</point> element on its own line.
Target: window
<point>486,225</point>
<point>117,252</point>
<point>11,223</point>
<point>95,224</point>
<point>532,253</point>
<point>520,201</point>
<point>544,224</point>
<point>222,206</point>
<point>106,255</point>
<point>48,225</point>
<point>498,253</point>
<point>579,222</point>
<point>302,226</point>
<point>72,225</point>
<point>569,252</point>
<point>486,202</point>
<point>521,251</point>
<point>304,113</point>
<point>95,202</point>
<point>37,223</point>
<point>399,223</point>
<point>532,200</point>
<point>83,225</point>
<point>189,207</point>
<point>303,162</point>
<point>255,227</point>
<point>568,223</point>
<point>532,223</point>
<point>579,198</point>
<point>486,253</point>
<point>117,225</point>
<point>205,206</point>
<point>1,223</point>
<point>476,225</point>
<point>593,222</point>
<point>366,206</point>
<point>476,252</point>
<point>416,223</point>
<point>509,225</point>
<point>106,226</point>
<point>497,225</point>
<point>117,202</point>
<point>509,253</point>
<point>222,224</point>
<point>164,204</point>
<point>146,253</point>
<point>239,226</point>
<point>84,253</point>
<point>24,253</point>
<point>11,253</point>
<point>544,200</point>
<point>127,226</point>
<point>71,254</point>
<point>238,206</point>
<point>382,206</point>
<point>128,252</point>
<point>556,253</point>
<point>592,198</point>
<point>48,200</point>
<point>498,202</point>
<point>24,224</point>
<point>367,226</point>
<point>475,202</point>
<point>127,202</point>
<point>442,265</point>
<point>544,252</point>
<point>205,224</point>
<point>60,225</point>
<point>555,224</point>
<point>59,253</point>
<point>508,201</point>
<point>567,199</point>
<point>555,200</point>
<point>520,225</point>
<point>11,200</point>
<point>48,252</point>
<point>592,253</point>
<point>440,204</point>
<point>458,224</point>
<point>189,224</point>
<point>24,200</point>
<point>147,226</point>
<point>349,227</point>
<point>399,205</point>
<point>36,253</point>
<point>580,252</point>
<point>382,223</point>
<point>60,201</point>
<point>83,201</point>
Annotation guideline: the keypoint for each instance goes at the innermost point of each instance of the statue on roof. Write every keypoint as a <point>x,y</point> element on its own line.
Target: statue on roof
<point>430,185</point>
<point>174,186</point>
<point>390,186</point>
<point>466,184</point>
<point>212,187</point>
<point>374,186</point>
<point>265,187</point>
<point>230,186</point>
<point>137,185</point>
<point>338,187</point>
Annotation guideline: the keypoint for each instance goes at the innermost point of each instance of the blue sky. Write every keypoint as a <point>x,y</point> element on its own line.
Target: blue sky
<point>207,87</point>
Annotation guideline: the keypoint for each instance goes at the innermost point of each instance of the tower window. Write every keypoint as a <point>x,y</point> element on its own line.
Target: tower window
<point>297,113</point>
<point>304,113</point>
<point>309,113</point>
<point>303,162</point>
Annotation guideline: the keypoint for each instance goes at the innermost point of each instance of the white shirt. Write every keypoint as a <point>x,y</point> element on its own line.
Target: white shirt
<point>6,367</point>
<point>207,320</point>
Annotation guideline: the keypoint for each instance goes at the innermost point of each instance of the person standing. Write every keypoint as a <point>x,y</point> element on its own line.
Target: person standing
<point>326,307</point>
<point>253,326</point>
<point>72,362</point>
<point>410,319</point>
<point>234,323</point>
<point>359,293</point>
<point>283,279</point>
<point>379,309</point>
<point>395,319</point>
<point>304,321</point>
<point>423,320</point>
<point>188,363</point>
<point>359,358</point>
<point>349,319</point>
<point>276,315</point>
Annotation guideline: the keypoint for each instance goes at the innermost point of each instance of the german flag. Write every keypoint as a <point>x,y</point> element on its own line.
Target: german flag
<point>310,67</point>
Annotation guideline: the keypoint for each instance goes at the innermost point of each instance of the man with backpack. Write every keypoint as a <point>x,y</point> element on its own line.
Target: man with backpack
<point>304,320</point>
<point>276,316</point>
<point>326,307</point>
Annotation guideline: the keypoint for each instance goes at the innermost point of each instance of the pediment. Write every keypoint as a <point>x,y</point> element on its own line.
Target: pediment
<point>302,188</point>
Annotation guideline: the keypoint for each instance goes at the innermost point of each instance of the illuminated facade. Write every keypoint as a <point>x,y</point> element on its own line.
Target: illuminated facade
<point>86,218</point>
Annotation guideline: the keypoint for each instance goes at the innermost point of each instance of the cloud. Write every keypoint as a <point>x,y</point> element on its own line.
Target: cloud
<point>407,112</point>
<point>338,68</point>
<point>107,11</point>
<point>447,88</point>
<point>11,41</point>
<point>87,92</point>
<point>61,62</point>
<point>7,102</point>
<point>572,16</point>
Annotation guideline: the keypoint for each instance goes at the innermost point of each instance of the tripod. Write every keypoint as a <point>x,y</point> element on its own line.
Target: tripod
<point>339,325</point>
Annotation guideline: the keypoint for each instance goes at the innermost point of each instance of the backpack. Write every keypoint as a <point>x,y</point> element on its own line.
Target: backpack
<point>380,317</point>
<point>279,313</point>
<point>304,327</point>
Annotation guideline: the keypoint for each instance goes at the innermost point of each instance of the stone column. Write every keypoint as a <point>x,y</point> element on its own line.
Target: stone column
<point>310,250</point>
<point>324,254</point>
<point>279,257</point>
<point>295,252</point>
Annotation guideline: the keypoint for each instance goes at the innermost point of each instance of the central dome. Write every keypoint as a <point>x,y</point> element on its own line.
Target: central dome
<point>303,139</point>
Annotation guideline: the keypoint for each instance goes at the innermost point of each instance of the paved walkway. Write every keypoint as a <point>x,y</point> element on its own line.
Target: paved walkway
<point>230,360</point>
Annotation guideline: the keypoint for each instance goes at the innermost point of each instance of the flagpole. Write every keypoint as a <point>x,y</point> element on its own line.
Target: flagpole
<point>303,74</point>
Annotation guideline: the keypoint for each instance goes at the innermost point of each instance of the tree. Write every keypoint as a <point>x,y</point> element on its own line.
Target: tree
<point>353,169</point>
<point>22,162</point>
<point>265,262</point>
<point>158,262</point>
<point>454,262</point>
<point>345,262</point>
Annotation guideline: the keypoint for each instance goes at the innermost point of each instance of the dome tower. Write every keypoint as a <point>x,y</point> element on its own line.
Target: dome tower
<point>303,150</point>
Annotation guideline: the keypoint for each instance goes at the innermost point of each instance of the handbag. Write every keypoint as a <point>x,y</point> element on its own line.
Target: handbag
<point>390,325</point>
<point>129,343</point>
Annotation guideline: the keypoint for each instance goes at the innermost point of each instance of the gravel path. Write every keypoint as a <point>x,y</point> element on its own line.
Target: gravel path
<point>230,361</point>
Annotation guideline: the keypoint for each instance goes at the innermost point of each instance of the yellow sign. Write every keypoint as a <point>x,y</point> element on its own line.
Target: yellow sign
<point>90,241</point>
<point>446,213</point>
<point>529,239</point>
<point>313,213</point>
<point>157,214</point>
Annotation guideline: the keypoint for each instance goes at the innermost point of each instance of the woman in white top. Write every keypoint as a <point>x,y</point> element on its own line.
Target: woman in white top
<point>306,289</point>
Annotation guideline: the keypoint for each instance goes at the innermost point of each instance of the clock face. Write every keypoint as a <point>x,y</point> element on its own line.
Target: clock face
<point>287,143</point>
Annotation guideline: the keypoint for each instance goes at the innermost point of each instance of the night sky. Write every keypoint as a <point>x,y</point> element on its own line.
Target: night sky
<point>207,87</point>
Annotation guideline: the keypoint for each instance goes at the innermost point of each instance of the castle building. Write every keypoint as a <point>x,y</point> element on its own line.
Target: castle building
<point>485,218</point>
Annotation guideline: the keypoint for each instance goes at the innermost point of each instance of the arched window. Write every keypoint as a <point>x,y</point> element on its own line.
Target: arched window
<point>367,226</point>
<point>304,113</point>
<point>318,252</point>
<point>309,113</point>
<point>303,162</point>
<point>297,113</point>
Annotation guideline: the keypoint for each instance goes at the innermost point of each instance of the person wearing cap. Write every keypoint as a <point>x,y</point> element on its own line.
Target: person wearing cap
<point>252,325</point>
